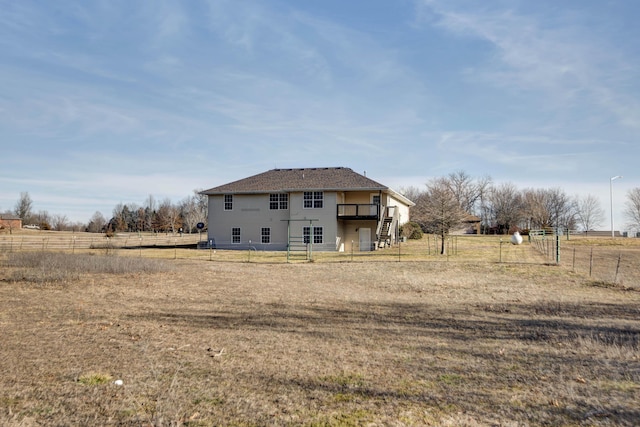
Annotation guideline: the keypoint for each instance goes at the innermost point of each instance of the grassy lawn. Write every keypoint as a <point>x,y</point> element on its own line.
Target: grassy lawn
<point>431,340</point>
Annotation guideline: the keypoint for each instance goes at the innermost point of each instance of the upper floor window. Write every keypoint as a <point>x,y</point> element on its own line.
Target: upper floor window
<point>313,199</point>
<point>278,201</point>
<point>228,202</point>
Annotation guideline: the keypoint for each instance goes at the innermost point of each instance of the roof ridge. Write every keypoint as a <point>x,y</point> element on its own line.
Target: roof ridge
<point>327,178</point>
<point>310,168</point>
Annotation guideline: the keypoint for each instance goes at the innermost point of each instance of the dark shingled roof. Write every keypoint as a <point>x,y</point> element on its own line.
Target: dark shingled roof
<point>8,216</point>
<point>277,180</point>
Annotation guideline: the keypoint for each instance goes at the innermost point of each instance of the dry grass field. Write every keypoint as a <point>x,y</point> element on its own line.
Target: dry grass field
<point>489,336</point>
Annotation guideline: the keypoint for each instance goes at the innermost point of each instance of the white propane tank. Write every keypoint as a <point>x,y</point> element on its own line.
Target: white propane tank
<point>516,238</point>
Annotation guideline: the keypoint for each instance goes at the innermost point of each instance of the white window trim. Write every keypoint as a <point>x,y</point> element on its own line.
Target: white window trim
<point>315,235</point>
<point>239,235</point>
<point>224,202</point>
<point>313,199</point>
<point>282,198</point>
<point>262,235</point>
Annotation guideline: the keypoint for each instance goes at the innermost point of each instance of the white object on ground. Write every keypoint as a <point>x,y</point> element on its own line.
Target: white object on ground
<point>118,382</point>
<point>516,238</point>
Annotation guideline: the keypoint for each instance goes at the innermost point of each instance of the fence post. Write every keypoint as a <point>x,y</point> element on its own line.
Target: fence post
<point>548,249</point>
<point>352,251</point>
<point>557,249</point>
<point>615,279</point>
<point>448,247</point>
<point>590,261</point>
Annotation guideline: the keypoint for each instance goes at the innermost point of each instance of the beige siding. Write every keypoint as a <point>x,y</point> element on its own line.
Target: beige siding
<point>359,197</point>
<point>352,236</point>
<point>250,213</point>
<point>403,209</point>
<point>326,217</point>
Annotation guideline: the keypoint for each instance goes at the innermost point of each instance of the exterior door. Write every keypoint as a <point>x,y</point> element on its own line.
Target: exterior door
<point>365,239</point>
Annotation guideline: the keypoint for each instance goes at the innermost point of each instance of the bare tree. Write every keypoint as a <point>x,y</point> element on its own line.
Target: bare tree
<point>189,213</point>
<point>439,210</point>
<point>43,219</point>
<point>23,207</point>
<point>193,209</point>
<point>203,204</point>
<point>589,212</point>
<point>548,208</point>
<point>168,217</point>
<point>59,222</point>
<point>506,207</point>
<point>632,208</point>
<point>468,191</point>
<point>562,209</point>
<point>484,189</point>
<point>412,193</point>
<point>76,226</point>
<point>96,223</point>
<point>535,210</point>
<point>150,207</point>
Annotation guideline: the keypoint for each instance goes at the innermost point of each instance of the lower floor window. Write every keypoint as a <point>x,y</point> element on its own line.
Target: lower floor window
<point>317,234</point>
<point>235,235</point>
<point>266,235</point>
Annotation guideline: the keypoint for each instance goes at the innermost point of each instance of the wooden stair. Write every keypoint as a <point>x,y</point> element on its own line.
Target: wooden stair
<point>384,236</point>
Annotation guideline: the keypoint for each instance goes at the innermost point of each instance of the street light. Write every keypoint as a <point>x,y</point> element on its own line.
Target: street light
<point>613,178</point>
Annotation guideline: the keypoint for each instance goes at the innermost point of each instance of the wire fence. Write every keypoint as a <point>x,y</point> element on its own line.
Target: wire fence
<point>547,244</point>
<point>605,264</point>
<point>610,261</point>
<point>71,242</point>
<point>606,261</point>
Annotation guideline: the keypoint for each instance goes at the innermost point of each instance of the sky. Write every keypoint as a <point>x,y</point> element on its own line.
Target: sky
<point>109,101</point>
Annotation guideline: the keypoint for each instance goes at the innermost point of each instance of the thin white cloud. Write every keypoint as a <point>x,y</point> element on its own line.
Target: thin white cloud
<point>526,154</point>
<point>559,56</point>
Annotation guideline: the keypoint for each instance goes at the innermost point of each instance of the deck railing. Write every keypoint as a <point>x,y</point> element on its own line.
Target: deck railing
<point>358,211</point>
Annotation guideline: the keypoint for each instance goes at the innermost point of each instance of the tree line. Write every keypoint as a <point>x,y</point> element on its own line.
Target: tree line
<point>151,216</point>
<point>449,202</point>
<point>444,204</point>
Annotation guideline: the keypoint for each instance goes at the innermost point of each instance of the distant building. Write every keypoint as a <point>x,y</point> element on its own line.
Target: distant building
<point>10,221</point>
<point>333,209</point>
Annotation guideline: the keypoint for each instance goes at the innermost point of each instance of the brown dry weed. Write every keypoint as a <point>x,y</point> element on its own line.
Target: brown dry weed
<point>469,341</point>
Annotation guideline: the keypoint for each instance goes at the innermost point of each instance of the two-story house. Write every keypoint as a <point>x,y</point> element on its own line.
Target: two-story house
<point>332,209</point>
